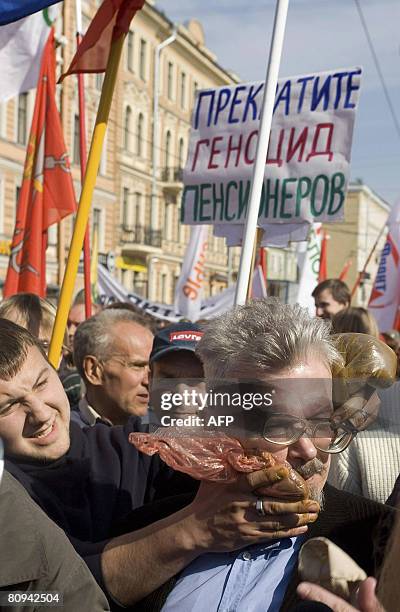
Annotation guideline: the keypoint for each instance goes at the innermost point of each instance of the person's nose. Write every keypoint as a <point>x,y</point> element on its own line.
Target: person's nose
<point>145,379</point>
<point>38,411</point>
<point>302,449</point>
<point>319,311</point>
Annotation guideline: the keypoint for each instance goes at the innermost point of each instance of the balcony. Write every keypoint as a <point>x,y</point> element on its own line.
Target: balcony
<point>172,179</point>
<point>140,239</point>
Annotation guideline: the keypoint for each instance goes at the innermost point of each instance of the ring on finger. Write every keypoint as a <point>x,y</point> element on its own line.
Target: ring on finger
<point>260,507</point>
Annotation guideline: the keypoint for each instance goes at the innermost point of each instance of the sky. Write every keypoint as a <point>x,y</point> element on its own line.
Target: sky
<point>320,35</point>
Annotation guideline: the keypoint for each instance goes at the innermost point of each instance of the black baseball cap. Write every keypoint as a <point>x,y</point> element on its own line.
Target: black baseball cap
<point>177,337</point>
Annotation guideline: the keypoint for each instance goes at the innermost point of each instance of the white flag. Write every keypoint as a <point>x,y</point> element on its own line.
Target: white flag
<point>309,254</point>
<point>385,295</point>
<point>189,289</point>
<point>21,47</point>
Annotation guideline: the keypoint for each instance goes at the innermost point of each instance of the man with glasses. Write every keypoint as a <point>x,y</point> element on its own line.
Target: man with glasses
<point>111,353</point>
<point>271,351</point>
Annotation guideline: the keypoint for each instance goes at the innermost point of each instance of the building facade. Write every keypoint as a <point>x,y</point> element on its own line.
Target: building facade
<point>136,204</point>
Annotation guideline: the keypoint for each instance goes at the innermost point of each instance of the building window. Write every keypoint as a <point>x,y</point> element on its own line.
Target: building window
<point>195,88</point>
<point>142,65</point>
<point>17,192</point>
<point>167,149</point>
<point>139,135</point>
<point>169,220</point>
<point>129,51</point>
<point>76,158</point>
<point>99,78</point>
<point>22,118</point>
<point>170,81</point>
<point>125,207</point>
<point>127,128</point>
<point>97,228</point>
<point>138,208</point>
<point>183,90</point>
<point>181,153</point>
<point>164,288</point>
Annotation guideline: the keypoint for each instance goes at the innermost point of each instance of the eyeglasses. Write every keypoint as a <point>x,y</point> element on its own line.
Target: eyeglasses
<point>284,430</point>
<point>129,365</point>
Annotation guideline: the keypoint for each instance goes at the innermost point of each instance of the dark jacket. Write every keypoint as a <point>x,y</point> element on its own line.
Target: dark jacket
<point>91,489</point>
<point>35,555</point>
<point>358,525</point>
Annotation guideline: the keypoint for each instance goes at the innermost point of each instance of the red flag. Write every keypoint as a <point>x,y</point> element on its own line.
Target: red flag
<point>111,21</point>
<point>323,274</point>
<point>47,193</point>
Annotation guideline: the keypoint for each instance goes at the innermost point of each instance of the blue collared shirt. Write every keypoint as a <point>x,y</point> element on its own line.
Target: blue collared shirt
<point>252,579</point>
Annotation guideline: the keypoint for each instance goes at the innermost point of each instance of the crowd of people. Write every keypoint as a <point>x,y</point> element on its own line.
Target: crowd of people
<point>205,517</point>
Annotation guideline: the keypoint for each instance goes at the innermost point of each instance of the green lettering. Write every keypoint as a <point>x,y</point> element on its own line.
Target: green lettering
<point>316,196</point>
<point>204,202</point>
<point>303,191</point>
<point>286,196</point>
<point>336,189</point>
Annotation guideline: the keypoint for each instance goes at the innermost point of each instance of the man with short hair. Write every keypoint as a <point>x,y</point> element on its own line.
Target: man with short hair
<point>331,296</point>
<point>104,494</point>
<point>271,346</point>
<point>111,352</point>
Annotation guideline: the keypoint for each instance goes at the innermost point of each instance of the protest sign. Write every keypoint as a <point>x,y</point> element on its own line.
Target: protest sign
<point>308,161</point>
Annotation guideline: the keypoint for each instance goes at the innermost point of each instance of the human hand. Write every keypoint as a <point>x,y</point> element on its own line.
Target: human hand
<point>367,600</point>
<point>224,518</point>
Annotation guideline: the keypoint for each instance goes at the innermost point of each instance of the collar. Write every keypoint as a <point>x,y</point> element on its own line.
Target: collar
<point>89,414</point>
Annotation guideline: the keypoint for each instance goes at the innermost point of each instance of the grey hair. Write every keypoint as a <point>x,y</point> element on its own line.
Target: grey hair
<point>94,336</point>
<point>264,335</point>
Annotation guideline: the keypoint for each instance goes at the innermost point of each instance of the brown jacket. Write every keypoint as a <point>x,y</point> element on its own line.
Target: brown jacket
<point>35,555</point>
<point>358,525</point>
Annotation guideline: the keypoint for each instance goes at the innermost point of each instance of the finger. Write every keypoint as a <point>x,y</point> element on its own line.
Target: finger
<point>313,592</point>
<point>286,521</point>
<point>367,599</point>
<point>276,534</point>
<point>267,476</point>
<point>272,506</point>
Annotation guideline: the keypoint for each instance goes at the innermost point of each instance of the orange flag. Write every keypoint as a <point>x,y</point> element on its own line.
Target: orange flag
<point>47,193</point>
<point>111,21</point>
<point>323,274</point>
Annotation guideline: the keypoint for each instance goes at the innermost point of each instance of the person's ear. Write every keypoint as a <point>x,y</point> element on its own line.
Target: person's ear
<point>93,370</point>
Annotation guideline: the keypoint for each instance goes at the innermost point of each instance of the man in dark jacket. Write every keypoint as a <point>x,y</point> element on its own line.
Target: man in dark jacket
<point>36,557</point>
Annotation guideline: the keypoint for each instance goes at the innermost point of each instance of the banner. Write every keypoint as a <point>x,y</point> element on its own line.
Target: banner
<point>110,290</point>
<point>308,162</point>
<point>21,48</point>
<point>309,257</point>
<point>189,289</point>
<point>385,296</point>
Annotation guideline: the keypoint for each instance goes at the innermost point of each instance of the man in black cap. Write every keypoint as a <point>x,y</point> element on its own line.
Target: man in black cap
<point>174,366</point>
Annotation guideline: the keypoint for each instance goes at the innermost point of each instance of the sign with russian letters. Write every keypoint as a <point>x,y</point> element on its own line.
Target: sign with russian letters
<point>308,162</point>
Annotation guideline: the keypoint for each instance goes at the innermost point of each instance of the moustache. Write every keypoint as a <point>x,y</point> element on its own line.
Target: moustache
<point>315,466</point>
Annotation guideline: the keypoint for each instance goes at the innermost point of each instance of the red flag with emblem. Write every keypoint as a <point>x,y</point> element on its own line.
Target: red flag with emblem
<point>47,192</point>
<point>111,21</point>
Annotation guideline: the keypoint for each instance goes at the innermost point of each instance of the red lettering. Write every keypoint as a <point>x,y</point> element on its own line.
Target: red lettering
<point>197,149</point>
<point>328,145</point>
<point>214,151</point>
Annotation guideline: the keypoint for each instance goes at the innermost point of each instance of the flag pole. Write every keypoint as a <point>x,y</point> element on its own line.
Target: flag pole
<point>85,199</point>
<point>361,274</point>
<point>262,149</point>
<point>83,155</point>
